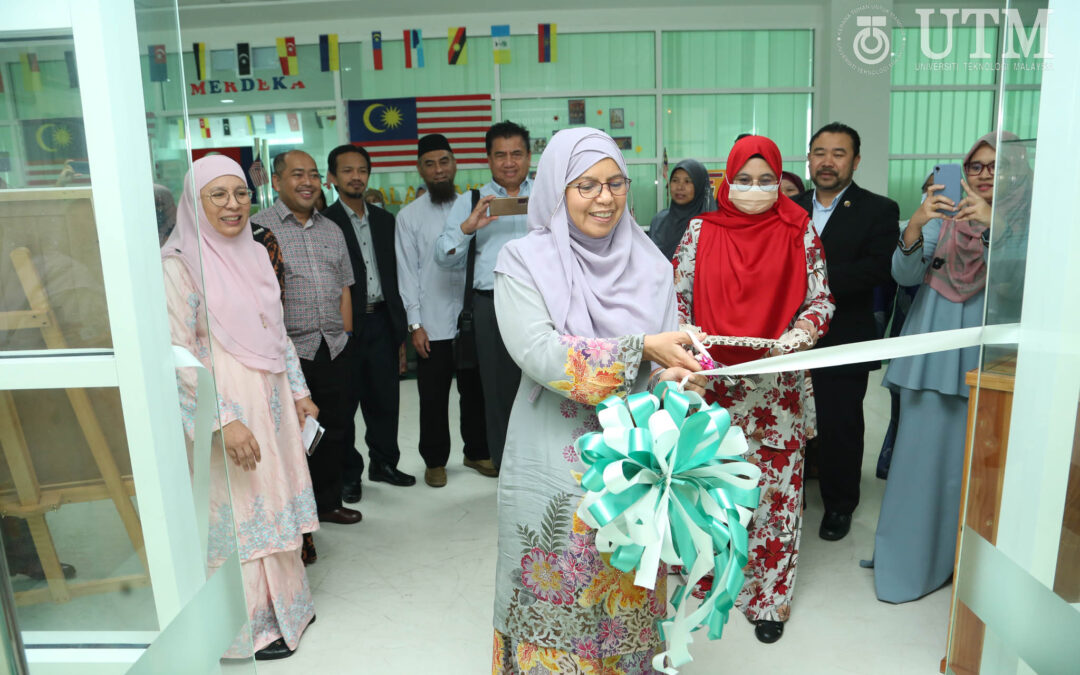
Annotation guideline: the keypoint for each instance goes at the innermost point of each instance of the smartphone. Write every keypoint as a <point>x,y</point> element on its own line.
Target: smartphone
<point>509,206</point>
<point>950,176</point>
<point>82,168</point>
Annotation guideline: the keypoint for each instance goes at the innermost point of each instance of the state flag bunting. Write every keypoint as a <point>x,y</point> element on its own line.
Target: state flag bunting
<point>159,65</point>
<point>328,52</point>
<point>548,50</point>
<point>414,48</point>
<point>286,51</point>
<point>456,54</point>
<point>204,127</point>
<point>294,122</point>
<point>250,125</point>
<point>376,49</point>
<point>500,43</point>
<point>198,50</point>
<point>271,123</point>
<point>243,59</point>
<point>226,128</point>
<point>389,128</point>
<point>31,71</point>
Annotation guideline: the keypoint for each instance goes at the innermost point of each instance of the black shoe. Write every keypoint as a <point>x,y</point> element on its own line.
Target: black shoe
<point>835,526</point>
<point>352,492</point>
<point>389,474</point>
<point>273,651</point>
<point>768,631</point>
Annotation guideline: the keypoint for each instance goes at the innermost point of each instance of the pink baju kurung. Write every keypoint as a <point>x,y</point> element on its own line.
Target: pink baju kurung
<point>271,506</point>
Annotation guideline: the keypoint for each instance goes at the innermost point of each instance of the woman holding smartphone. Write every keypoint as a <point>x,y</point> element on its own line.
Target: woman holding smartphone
<point>915,542</point>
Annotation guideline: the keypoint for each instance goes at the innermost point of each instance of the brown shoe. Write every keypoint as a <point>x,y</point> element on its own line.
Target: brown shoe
<point>483,467</point>
<point>341,516</point>
<point>435,477</point>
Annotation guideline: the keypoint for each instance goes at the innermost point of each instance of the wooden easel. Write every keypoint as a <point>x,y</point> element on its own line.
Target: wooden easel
<point>32,500</point>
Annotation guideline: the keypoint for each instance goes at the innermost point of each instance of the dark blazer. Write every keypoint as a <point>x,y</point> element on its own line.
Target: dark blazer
<point>382,236</point>
<point>859,240</point>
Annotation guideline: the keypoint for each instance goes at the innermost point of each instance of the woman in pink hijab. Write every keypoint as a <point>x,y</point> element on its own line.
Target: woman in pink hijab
<point>230,305</point>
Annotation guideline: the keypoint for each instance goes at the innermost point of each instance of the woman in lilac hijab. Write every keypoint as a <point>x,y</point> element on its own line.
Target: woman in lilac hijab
<point>586,307</point>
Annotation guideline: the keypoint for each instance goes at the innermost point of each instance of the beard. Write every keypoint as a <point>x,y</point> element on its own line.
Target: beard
<point>350,194</point>
<point>441,193</point>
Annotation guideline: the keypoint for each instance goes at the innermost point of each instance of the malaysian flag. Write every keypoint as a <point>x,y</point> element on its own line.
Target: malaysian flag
<point>49,144</point>
<point>390,128</point>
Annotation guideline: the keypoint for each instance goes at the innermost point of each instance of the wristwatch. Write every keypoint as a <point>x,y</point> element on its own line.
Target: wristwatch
<point>413,327</point>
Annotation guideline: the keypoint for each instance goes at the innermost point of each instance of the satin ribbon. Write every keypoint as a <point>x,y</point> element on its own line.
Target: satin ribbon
<point>666,483</point>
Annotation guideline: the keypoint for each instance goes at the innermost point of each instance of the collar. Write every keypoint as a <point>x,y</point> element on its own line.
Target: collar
<point>359,220</point>
<point>285,215</point>
<point>526,186</point>
<point>835,201</point>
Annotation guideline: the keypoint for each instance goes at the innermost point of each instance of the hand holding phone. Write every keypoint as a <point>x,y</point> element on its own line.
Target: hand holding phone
<point>509,206</point>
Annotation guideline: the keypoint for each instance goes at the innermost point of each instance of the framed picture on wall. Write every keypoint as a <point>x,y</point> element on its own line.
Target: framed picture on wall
<point>624,142</point>
<point>538,144</point>
<point>577,110</point>
<point>616,118</point>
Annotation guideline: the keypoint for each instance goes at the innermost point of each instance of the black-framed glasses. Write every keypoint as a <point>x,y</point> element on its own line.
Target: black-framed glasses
<point>975,168</point>
<point>591,189</point>
<point>221,197</point>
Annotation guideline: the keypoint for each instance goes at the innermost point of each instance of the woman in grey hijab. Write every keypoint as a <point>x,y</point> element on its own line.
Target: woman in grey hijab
<point>691,194</point>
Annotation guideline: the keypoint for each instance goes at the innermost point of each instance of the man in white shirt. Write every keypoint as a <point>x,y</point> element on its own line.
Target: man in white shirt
<point>433,297</point>
<point>508,157</point>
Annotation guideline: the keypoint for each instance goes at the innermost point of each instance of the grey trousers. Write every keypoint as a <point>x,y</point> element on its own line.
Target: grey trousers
<point>499,375</point>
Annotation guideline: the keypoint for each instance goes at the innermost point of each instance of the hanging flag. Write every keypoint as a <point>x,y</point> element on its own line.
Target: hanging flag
<point>244,156</point>
<point>286,51</point>
<point>328,52</point>
<point>225,129</point>
<point>390,128</point>
<point>48,144</point>
<point>243,59</point>
<point>548,50</point>
<point>376,49</point>
<point>181,128</point>
<point>73,71</point>
<point>31,72</point>
<point>500,43</point>
<point>414,48</point>
<point>201,63</point>
<point>456,54</point>
<point>294,122</point>
<point>159,68</point>
<point>271,125</point>
<point>204,127</point>
<point>250,125</point>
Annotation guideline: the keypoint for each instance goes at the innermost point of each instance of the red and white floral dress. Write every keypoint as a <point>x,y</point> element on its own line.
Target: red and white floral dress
<point>776,411</point>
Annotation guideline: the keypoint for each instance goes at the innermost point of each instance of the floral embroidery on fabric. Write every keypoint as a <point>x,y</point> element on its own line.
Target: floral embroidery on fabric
<point>568,409</point>
<point>588,384</point>
<point>570,454</point>
<point>286,618</point>
<point>275,407</point>
<point>261,532</point>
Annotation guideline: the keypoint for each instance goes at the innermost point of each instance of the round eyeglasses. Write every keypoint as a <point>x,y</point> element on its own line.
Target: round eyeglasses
<point>221,197</point>
<point>767,184</point>
<point>591,189</point>
<point>975,168</point>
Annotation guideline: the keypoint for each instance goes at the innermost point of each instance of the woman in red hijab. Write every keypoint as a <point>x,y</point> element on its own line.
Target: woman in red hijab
<point>755,268</point>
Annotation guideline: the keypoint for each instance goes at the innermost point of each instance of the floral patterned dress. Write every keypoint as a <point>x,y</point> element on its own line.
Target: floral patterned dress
<point>777,413</point>
<point>270,506</point>
<point>559,606</point>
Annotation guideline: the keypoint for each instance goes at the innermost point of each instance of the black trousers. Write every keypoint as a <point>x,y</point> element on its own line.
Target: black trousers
<point>499,375</point>
<point>375,390</point>
<point>327,379</point>
<point>840,425</point>
<point>433,377</point>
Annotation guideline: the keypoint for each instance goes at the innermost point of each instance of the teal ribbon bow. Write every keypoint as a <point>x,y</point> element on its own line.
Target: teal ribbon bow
<point>666,483</point>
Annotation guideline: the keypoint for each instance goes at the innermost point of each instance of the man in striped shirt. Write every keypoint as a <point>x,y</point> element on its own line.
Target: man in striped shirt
<point>318,316</point>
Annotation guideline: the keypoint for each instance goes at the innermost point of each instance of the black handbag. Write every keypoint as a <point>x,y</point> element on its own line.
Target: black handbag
<point>465,342</point>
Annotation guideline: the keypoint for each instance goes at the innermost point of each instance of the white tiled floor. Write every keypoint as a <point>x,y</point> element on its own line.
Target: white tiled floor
<point>409,589</point>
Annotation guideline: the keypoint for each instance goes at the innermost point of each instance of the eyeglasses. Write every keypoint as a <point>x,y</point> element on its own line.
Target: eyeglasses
<point>766,183</point>
<point>221,197</point>
<point>591,189</point>
<point>975,168</point>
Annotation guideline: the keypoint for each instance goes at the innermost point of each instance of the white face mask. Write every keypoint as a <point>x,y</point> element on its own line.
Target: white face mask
<point>755,200</point>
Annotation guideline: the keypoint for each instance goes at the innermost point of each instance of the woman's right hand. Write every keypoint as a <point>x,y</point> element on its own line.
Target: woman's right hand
<point>241,445</point>
<point>668,350</point>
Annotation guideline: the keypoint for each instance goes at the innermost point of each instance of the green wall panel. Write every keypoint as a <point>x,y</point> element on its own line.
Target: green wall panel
<point>1021,115</point>
<point>586,61</point>
<point>706,125</point>
<point>539,115</point>
<point>958,67</point>
<point>737,59</point>
<point>932,122</point>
